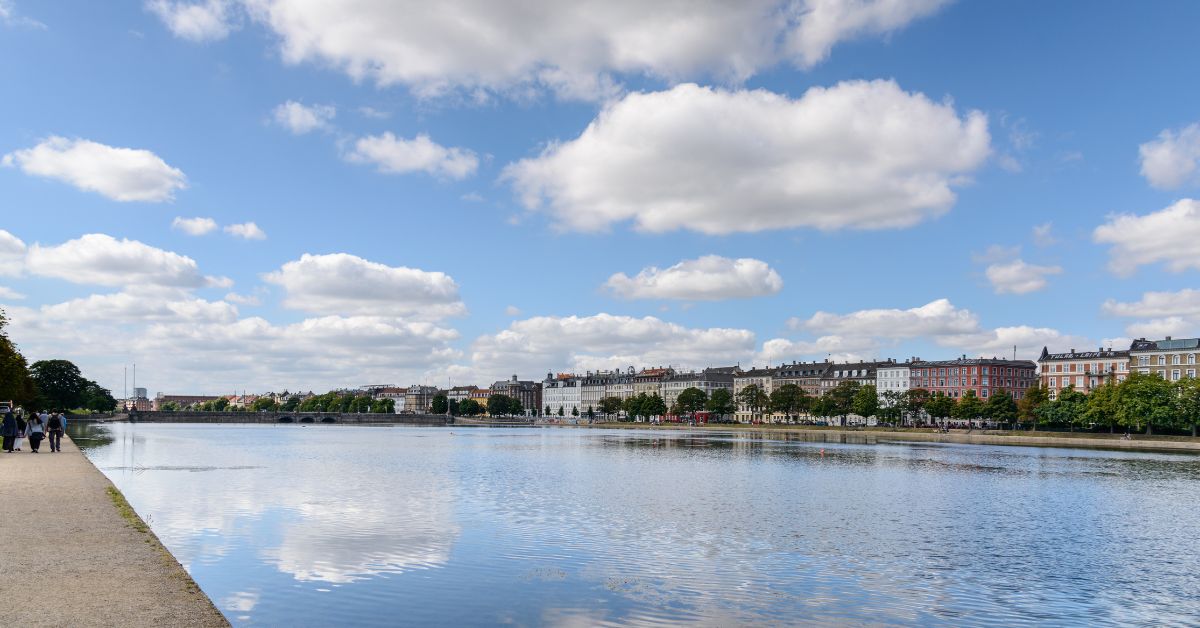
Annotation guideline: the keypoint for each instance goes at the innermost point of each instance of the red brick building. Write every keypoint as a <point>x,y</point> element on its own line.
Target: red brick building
<point>985,376</point>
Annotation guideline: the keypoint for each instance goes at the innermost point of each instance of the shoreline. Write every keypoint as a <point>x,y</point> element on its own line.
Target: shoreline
<point>1081,440</point>
<point>116,569</point>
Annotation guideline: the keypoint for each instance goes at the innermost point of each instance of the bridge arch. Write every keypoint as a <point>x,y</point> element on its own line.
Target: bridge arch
<point>329,419</point>
<point>306,419</point>
<point>285,419</point>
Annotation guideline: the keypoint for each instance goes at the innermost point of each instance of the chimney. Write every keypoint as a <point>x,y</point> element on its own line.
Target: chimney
<point>1072,352</point>
<point>1168,337</point>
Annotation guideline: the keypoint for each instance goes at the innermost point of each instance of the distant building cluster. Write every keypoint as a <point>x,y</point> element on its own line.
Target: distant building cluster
<point>576,395</point>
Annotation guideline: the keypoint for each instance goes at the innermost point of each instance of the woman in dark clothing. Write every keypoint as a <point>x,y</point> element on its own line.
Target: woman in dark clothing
<point>8,429</point>
<point>35,432</point>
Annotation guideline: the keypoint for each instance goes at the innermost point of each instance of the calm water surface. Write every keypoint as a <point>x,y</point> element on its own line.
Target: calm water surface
<point>328,525</point>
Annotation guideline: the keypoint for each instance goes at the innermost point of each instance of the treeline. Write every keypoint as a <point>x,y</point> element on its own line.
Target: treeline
<point>47,384</point>
<point>496,405</point>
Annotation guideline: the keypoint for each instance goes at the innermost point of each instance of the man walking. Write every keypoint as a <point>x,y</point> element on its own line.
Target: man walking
<point>8,429</point>
<point>56,423</point>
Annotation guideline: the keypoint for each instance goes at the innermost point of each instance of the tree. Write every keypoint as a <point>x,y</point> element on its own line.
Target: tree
<point>1068,409</point>
<point>262,404</point>
<point>98,399</point>
<point>169,406</point>
<point>655,406</point>
<point>823,407</point>
<point>940,406</point>
<point>439,404</point>
<point>891,406</point>
<point>501,405</point>
<point>610,406</point>
<point>16,384</point>
<point>1102,407</point>
<point>633,406</point>
<point>720,403</point>
<point>291,404</point>
<point>383,406</point>
<point>842,398</point>
<point>789,399</point>
<point>1001,408</point>
<point>691,401</point>
<point>1187,403</point>
<point>753,398</point>
<point>546,412</point>
<point>591,413</point>
<point>915,400</point>
<point>59,383</point>
<point>969,407</point>
<point>1029,403</point>
<point>469,407</point>
<point>1145,400</point>
<point>560,411</point>
<point>514,407</point>
<point>574,410</point>
<point>866,401</point>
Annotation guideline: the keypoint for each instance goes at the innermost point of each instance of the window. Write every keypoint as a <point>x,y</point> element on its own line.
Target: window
<point>1053,382</point>
<point>1162,360</point>
<point>1175,359</point>
<point>985,393</point>
<point>1191,358</point>
<point>1175,375</point>
<point>1191,372</point>
<point>1079,381</point>
<point>985,381</point>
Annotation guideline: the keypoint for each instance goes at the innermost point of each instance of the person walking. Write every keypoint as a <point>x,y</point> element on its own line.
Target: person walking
<point>20,432</point>
<point>8,429</point>
<point>35,432</point>
<point>55,426</point>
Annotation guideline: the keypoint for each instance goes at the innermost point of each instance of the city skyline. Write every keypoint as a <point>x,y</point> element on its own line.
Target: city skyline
<point>242,195</point>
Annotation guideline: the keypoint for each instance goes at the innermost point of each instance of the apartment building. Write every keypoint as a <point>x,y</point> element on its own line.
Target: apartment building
<point>1170,358</point>
<point>985,376</point>
<point>1083,370</point>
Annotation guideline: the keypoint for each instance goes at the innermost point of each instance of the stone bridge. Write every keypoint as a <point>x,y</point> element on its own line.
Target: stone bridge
<point>289,417</point>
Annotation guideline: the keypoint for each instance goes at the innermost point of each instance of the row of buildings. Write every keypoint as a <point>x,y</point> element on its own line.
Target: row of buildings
<point>571,394</point>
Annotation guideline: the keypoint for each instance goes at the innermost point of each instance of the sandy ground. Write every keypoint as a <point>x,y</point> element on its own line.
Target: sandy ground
<point>71,559</point>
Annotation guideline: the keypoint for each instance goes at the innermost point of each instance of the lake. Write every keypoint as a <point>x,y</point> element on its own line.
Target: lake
<point>340,525</point>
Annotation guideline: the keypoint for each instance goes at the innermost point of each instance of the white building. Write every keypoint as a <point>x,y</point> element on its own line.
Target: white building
<point>895,377</point>
<point>563,391</point>
<point>764,379</point>
<point>709,380</point>
<point>395,394</point>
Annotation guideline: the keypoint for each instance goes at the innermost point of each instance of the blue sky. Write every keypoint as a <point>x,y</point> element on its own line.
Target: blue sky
<point>774,181</point>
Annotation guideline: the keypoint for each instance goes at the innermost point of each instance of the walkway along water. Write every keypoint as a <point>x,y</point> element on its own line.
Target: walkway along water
<point>77,554</point>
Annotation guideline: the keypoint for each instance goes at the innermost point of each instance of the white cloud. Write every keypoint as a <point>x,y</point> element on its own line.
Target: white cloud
<point>9,293</point>
<point>603,341</point>
<point>197,226</point>
<point>1163,327</point>
<point>100,259</point>
<point>300,118</point>
<point>1170,236</point>
<point>142,305</point>
<point>1018,277</point>
<point>121,174</point>
<point>863,155</point>
<point>10,17</point>
<point>570,48</point>
<point>344,284</point>
<point>1043,234</point>
<point>12,254</point>
<point>996,253</point>
<point>377,114</point>
<point>512,310</point>
<point>935,318</point>
<point>394,155</point>
<point>243,299</point>
<point>833,348</point>
<point>209,20</point>
<point>1170,160</point>
<point>1000,342</point>
<point>709,278</point>
<point>1155,304</point>
<point>246,230</point>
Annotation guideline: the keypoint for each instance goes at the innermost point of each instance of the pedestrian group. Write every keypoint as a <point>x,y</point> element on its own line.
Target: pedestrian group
<point>35,428</point>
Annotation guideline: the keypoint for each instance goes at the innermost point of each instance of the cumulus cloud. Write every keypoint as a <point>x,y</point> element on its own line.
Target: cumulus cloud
<point>142,304</point>
<point>344,284</point>
<point>709,278</point>
<point>101,259</point>
<point>197,226</point>
<point>573,49</point>
<point>12,254</point>
<point>935,318</point>
<point>393,155</point>
<point>1170,160</point>
<point>833,348</point>
<point>1018,277</point>
<point>512,310</point>
<point>121,174</point>
<point>1163,327</point>
<point>604,341</point>
<point>246,230</point>
<point>209,20</point>
<point>300,118</point>
<point>10,17</point>
<point>1001,341</point>
<point>1043,234</point>
<point>1163,313</point>
<point>243,299</point>
<point>9,293</point>
<point>1170,236</point>
<point>864,155</point>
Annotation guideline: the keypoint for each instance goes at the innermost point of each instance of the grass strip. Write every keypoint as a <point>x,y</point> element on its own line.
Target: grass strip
<point>127,512</point>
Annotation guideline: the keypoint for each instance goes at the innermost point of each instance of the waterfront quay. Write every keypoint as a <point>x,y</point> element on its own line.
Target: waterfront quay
<point>78,555</point>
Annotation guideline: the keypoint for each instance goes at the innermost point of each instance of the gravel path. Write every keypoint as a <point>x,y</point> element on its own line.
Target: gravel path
<point>70,558</point>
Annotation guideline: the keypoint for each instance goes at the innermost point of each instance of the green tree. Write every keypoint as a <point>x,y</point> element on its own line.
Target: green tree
<point>262,404</point>
<point>915,400</point>
<point>514,407</point>
<point>16,384</point>
<point>439,404</point>
<point>1068,409</point>
<point>59,384</point>
<point>691,401</point>
<point>1187,403</point>
<point>655,406</point>
<point>500,405</point>
<point>633,406</point>
<point>574,410</point>
<point>720,403</point>
<point>1102,407</point>
<point>610,406</point>
<point>754,399</point>
<point>383,406</point>
<point>560,411</point>
<point>291,404</point>
<point>169,406</point>
<point>1001,408</point>
<point>866,401</point>
<point>1029,403</point>
<point>842,398</point>
<point>1145,400</point>
<point>969,407</point>
<point>940,406</point>
<point>891,406</point>
<point>789,400</point>
<point>546,412</point>
<point>823,407</point>
<point>469,407</point>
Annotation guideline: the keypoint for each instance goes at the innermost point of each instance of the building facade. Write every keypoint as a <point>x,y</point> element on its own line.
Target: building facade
<point>418,399</point>
<point>708,381</point>
<point>1084,371</point>
<point>562,392</point>
<point>528,392</point>
<point>764,379</point>
<point>986,376</point>
<point>1171,358</point>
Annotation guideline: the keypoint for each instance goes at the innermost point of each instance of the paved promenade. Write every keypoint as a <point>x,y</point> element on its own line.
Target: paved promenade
<point>71,559</point>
